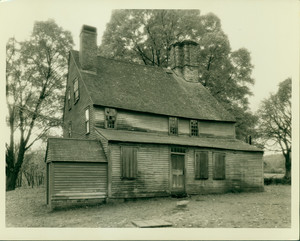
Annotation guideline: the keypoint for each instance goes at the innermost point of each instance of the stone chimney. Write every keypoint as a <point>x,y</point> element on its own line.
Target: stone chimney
<point>184,60</point>
<point>88,48</point>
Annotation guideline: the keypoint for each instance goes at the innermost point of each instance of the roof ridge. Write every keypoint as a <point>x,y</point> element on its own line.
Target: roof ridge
<point>125,61</point>
<point>131,63</point>
<point>73,139</point>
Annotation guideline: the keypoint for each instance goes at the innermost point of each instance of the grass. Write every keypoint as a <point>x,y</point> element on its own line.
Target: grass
<point>268,209</point>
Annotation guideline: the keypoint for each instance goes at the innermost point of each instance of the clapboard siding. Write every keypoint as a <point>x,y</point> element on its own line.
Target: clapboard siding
<point>136,121</point>
<point>152,176</point>
<point>243,170</point>
<point>77,113</point>
<point>75,180</point>
<point>220,129</point>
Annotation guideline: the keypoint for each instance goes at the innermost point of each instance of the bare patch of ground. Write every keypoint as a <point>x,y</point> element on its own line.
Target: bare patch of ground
<point>268,209</point>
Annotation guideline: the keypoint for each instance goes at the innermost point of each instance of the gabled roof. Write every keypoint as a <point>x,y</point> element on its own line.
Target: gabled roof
<point>74,150</point>
<point>154,138</point>
<point>149,89</point>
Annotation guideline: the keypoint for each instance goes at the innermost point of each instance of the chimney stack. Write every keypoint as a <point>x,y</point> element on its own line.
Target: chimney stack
<point>88,48</point>
<point>184,60</point>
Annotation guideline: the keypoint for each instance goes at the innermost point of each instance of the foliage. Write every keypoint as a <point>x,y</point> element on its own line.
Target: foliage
<point>145,36</point>
<point>35,76</point>
<point>34,167</point>
<point>275,123</point>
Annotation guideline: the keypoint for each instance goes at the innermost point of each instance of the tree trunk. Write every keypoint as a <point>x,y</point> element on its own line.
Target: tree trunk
<point>11,180</point>
<point>12,173</point>
<point>288,165</point>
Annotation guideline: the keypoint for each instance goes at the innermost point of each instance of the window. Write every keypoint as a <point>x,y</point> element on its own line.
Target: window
<point>177,149</point>
<point>201,165</point>
<point>70,129</point>
<point>87,121</point>
<point>76,90</point>
<point>194,128</point>
<point>110,118</point>
<point>69,99</point>
<point>219,166</point>
<point>129,162</point>
<point>173,125</point>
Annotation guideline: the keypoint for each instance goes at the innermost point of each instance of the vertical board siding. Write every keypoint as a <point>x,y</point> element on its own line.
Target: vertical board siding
<point>152,172</point>
<point>79,180</point>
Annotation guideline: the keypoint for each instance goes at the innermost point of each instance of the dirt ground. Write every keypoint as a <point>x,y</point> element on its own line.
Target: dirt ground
<point>268,209</point>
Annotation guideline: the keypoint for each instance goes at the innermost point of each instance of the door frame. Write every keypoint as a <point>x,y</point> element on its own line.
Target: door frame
<point>184,172</point>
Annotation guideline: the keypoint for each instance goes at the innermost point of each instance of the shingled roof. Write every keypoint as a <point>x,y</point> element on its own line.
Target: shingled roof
<point>70,150</point>
<point>130,86</point>
<point>154,138</point>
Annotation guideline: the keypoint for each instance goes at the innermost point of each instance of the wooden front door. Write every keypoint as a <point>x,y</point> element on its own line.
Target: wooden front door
<point>177,173</point>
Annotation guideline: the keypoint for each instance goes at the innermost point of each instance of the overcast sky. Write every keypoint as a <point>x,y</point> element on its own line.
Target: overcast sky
<point>268,29</point>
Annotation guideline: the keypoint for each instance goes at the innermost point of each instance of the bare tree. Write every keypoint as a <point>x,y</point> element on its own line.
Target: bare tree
<point>35,77</point>
<point>275,124</point>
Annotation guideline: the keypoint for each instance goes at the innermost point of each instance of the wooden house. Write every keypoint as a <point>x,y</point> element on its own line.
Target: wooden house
<point>134,131</point>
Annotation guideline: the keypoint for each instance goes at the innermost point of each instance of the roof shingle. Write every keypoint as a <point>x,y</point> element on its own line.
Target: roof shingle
<point>153,138</point>
<point>74,150</point>
<point>150,89</point>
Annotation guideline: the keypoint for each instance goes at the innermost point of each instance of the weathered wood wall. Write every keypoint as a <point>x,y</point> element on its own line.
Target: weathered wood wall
<point>243,172</point>
<point>77,181</point>
<point>135,121</point>
<point>152,177</point>
<point>77,113</point>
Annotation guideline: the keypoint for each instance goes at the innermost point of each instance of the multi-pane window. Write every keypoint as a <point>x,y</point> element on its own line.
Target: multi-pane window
<point>194,128</point>
<point>173,125</point>
<point>129,162</point>
<point>87,120</point>
<point>70,129</point>
<point>219,166</point>
<point>76,90</point>
<point>69,99</point>
<point>110,118</point>
<point>201,165</point>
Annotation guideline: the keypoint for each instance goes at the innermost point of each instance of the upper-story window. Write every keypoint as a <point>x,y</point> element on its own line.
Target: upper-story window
<point>173,125</point>
<point>87,120</point>
<point>194,128</point>
<point>110,118</point>
<point>69,99</point>
<point>76,90</point>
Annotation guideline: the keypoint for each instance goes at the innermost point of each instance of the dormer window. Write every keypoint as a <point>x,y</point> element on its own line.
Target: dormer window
<point>194,128</point>
<point>110,118</point>
<point>173,126</point>
<point>76,90</point>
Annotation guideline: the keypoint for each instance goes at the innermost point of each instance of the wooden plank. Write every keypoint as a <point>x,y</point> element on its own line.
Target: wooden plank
<point>154,223</point>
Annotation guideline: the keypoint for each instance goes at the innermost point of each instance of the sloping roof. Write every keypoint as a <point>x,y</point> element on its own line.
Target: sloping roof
<point>74,150</point>
<point>154,138</point>
<point>150,89</point>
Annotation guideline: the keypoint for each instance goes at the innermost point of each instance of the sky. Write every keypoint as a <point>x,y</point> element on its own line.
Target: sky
<point>268,29</point>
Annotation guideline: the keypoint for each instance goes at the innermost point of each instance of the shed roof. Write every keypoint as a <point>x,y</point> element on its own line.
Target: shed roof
<point>149,89</point>
<point>74,150</point>
<point>154,138</point>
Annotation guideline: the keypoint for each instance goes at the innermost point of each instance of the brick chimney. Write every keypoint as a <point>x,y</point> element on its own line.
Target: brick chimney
<point>88,48</point>
<point>184,60</point>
